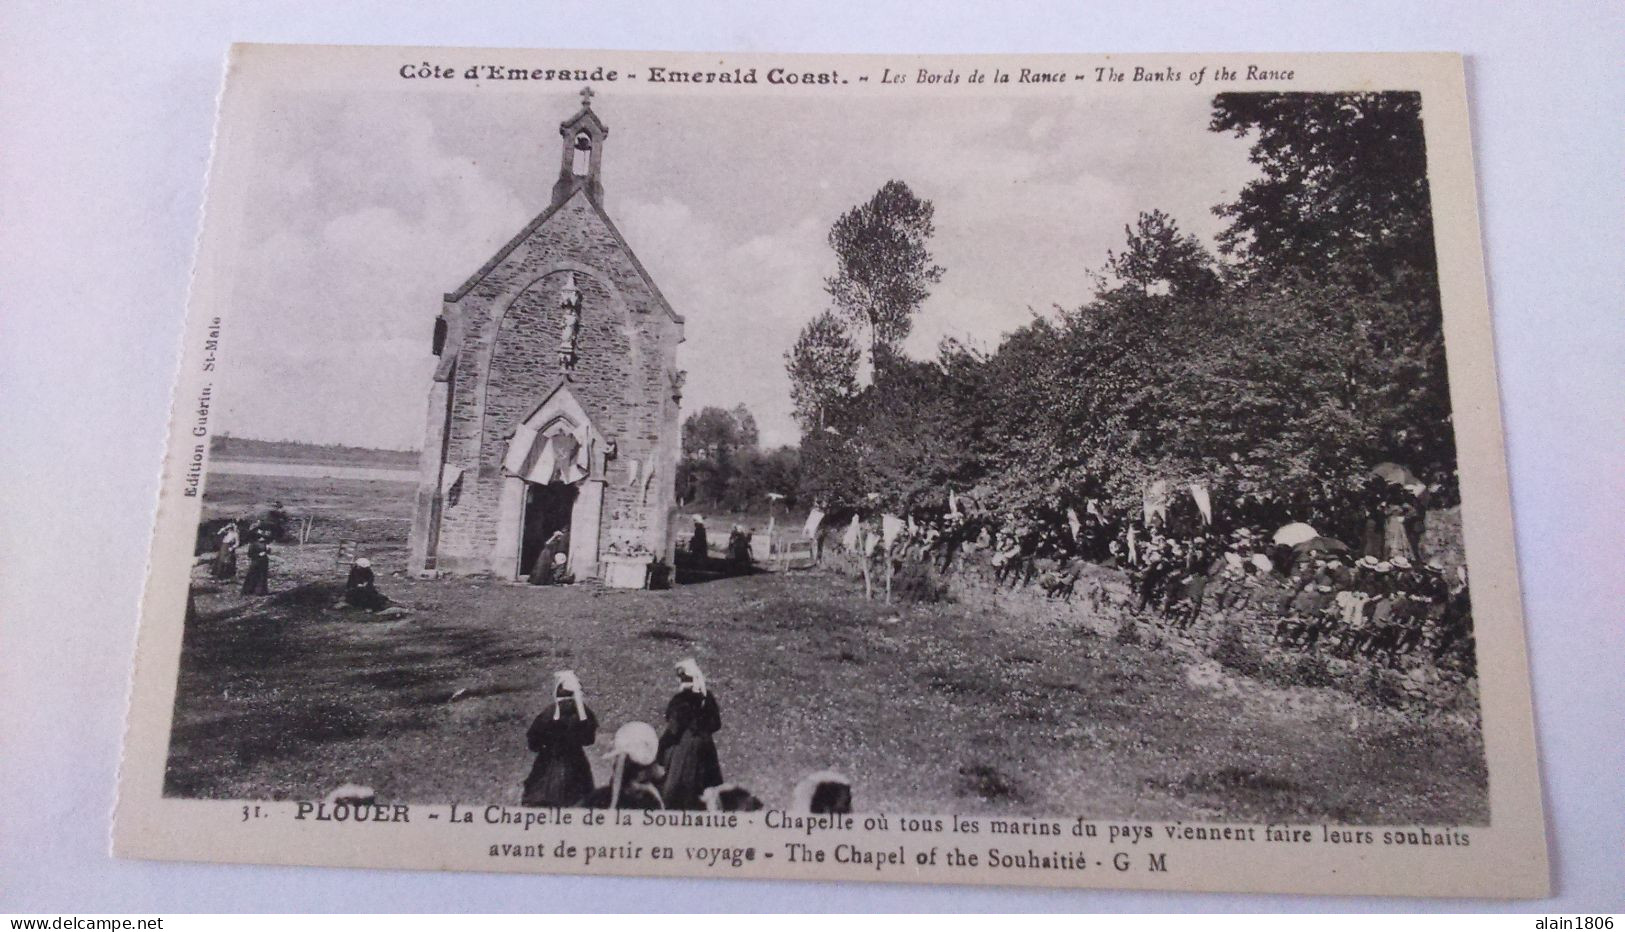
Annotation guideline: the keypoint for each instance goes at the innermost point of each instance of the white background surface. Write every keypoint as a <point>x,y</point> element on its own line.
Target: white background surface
<point>105,121</point>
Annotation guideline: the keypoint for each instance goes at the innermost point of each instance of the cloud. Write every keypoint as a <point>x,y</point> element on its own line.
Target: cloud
<point>744,300</point>
<point>363,211</point>
<point>344,267</point>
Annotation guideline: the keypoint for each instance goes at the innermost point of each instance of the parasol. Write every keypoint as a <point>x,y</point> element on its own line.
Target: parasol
<point>1324,544</point>
<point>1394,473</point>
<point>1295,533</point>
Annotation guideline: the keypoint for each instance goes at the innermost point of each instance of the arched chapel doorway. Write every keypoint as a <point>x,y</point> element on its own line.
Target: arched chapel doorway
<point>549,509</point>
<point>553,482</point>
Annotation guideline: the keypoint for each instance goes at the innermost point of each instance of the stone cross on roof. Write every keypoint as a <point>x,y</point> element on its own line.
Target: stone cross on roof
<point>586,97</point>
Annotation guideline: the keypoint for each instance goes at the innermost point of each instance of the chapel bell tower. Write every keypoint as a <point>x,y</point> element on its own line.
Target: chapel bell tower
<point>582,154</point>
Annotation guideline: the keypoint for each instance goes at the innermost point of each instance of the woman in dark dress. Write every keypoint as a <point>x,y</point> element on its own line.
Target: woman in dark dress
<point>257,581</point>
<point>561,775</point>
<point>545,569</point>
<point>361,589</point>
<point>1372,500</point>
<point>687,750</point>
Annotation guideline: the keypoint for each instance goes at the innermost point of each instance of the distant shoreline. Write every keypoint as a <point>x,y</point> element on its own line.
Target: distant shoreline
<point>310,470</point>
<point>248,450</point>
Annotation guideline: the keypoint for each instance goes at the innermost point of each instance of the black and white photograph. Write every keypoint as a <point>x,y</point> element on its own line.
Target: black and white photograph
<point>1063,456</point>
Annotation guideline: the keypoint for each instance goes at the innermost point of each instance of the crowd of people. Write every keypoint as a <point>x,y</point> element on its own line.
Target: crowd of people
<point>223,560</point>
<point>1317,594</point>
<point>736,552</point>
<point>1184,557</point>
<point>360,585</point>
<point>676,768</point>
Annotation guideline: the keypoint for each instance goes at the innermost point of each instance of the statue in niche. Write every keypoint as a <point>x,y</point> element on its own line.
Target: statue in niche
<point>570,304</point>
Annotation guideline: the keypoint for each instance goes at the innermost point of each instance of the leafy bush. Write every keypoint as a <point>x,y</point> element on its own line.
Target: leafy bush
<point>1128,633</point>
<point>1381,688</point>
<point>919,582</point>
<point>1234,653</point>
<point>986,781</point>
<point>1298,669</point>
<point>1287,365</point>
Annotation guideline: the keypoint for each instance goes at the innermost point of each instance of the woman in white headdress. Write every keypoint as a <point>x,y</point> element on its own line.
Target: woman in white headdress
<point>547,570</point>
<point>687,750</point>
<point>225,556</point>
<point>561,775</point>
<point>361,587</point>
<point>634,775</point>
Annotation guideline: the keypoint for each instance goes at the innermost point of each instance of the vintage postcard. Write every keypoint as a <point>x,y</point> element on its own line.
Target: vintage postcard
<point>1073,471</point>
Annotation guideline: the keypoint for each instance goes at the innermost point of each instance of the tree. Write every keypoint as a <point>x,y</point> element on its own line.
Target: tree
<point>1343,201</point>
<point>823,367</point>
<point>1343,181</point>
<point>722,466</point>
<point>884,266</point>
<point>712,433</point>
<point>745,423</point>
<point>905,440</point>
<point>829,470</point>
<point>1285,375</point>
<point>1160,258</point>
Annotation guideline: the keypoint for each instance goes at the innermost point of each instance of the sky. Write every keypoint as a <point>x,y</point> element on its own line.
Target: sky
<point>364,208</point>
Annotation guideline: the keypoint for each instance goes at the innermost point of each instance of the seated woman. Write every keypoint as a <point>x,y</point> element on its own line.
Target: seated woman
<point>361,589</point>
<point>561,570</point>
<point>634,775</point>
<point>551,566</point>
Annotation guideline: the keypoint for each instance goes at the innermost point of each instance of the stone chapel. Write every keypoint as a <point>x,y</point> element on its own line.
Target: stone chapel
<point>554,407</point>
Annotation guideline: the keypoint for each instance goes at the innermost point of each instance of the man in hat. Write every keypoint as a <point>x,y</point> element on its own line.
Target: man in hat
<point>1151,578</point>
<point>1456,623</point>
<point>1173,584</point>
<point>1435,590</point>
<point>1198,572</point>
<point>1379,632</point>
<point>1236,591</point>
<point>1350,606</point>
<point>739,548</point>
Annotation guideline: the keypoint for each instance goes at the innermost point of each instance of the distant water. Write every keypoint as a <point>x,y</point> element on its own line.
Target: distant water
<point>312,470</point>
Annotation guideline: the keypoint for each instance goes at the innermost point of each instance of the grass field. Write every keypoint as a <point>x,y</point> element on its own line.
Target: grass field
<point>928,708</point>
